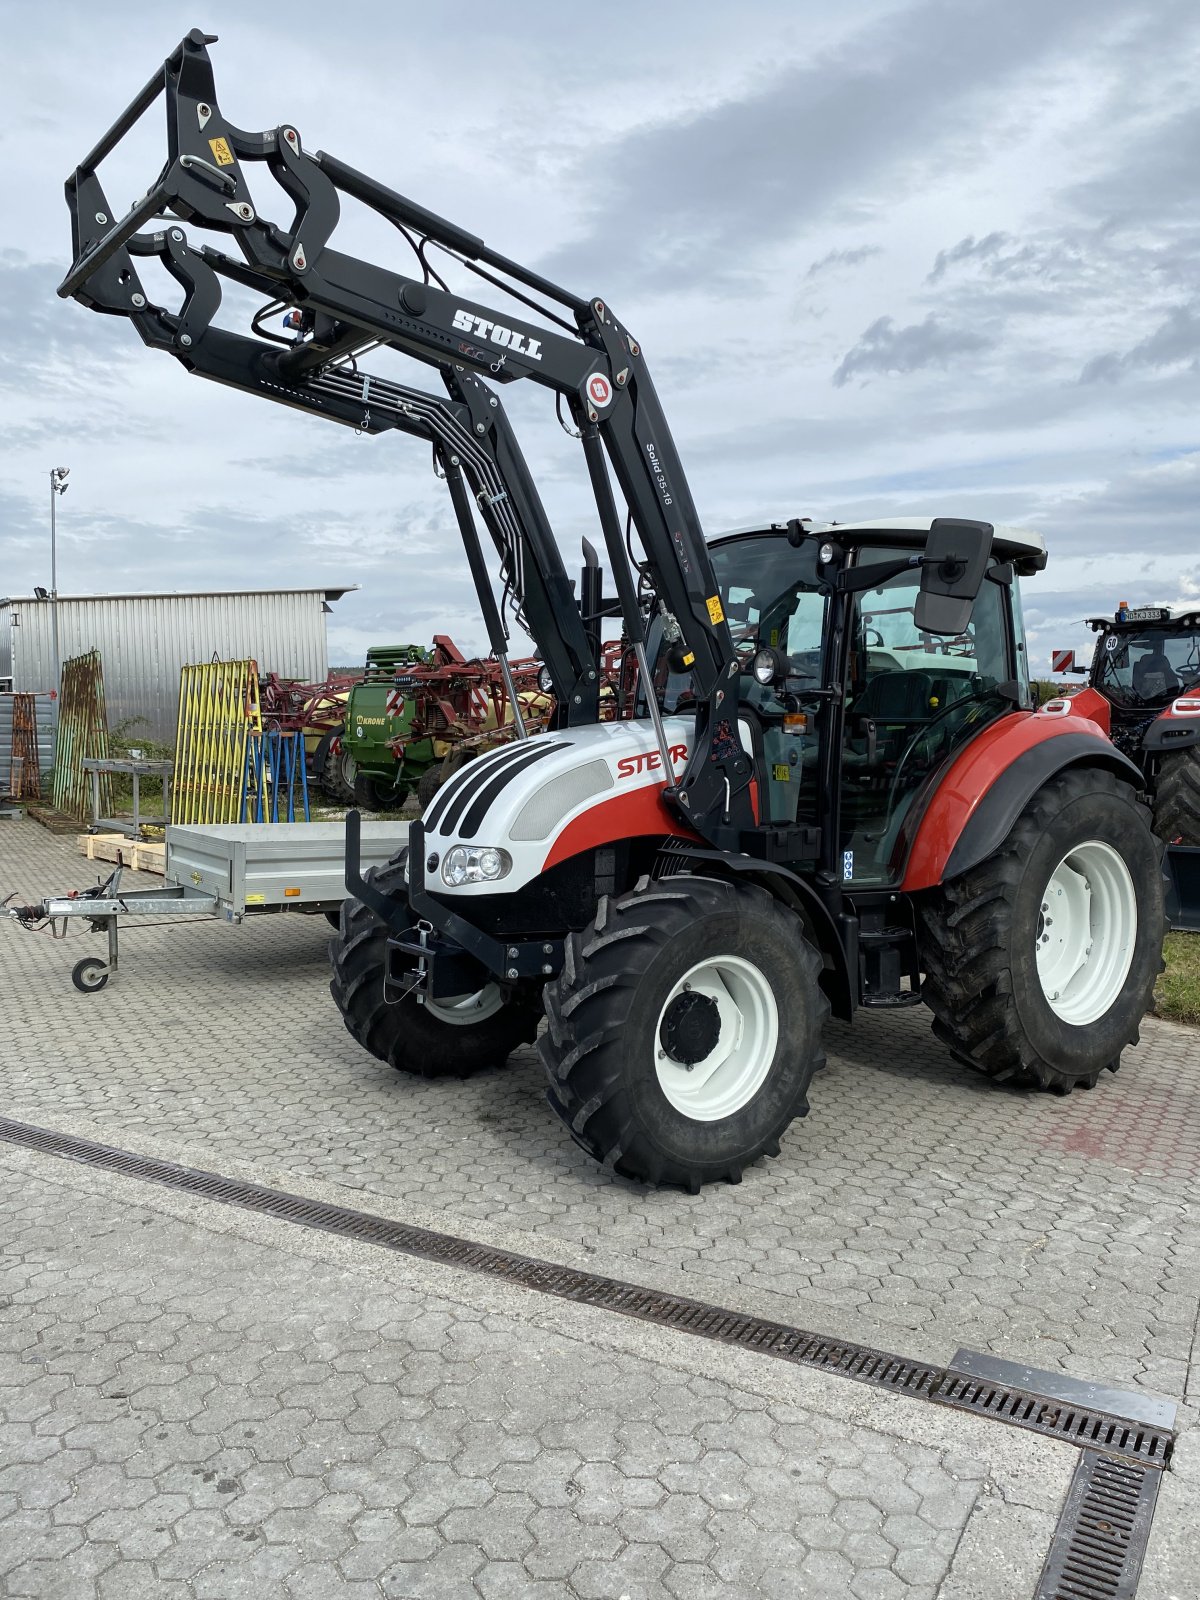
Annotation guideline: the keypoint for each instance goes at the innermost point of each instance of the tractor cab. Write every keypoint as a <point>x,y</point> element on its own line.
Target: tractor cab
<point>1146,657</point>
<point>851,699</point>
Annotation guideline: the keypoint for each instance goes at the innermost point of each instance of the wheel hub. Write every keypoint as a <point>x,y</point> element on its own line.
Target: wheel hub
<point>1086,927</point>
<point>691,1028</point>
<point>716,1037</point>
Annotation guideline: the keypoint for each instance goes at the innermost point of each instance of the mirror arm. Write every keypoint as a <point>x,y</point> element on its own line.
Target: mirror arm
<point>854,580</point>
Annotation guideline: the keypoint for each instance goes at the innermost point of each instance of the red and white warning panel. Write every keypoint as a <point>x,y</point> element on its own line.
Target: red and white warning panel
<point>1062,660</point>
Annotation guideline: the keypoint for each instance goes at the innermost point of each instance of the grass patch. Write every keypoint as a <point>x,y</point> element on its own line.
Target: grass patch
<point>1177,993</point>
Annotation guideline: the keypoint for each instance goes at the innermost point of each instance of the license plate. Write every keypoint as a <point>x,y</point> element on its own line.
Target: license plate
<point>1149,614</point>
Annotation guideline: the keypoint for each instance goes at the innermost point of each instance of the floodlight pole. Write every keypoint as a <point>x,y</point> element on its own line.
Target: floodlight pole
<point>58,485</point>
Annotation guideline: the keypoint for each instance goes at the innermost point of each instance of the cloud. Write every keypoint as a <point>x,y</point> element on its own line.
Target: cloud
<point>968,249</point>
<point>885,348</point>
<point>844,258</point>
<point>1175,340</point>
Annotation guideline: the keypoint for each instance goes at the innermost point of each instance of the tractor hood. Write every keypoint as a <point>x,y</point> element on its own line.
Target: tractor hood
<point>545,799</point>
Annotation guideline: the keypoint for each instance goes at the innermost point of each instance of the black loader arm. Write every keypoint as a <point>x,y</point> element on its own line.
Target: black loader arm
<point>343,307</point>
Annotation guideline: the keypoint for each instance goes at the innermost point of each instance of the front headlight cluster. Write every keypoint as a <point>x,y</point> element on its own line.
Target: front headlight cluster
<point>469,863</point>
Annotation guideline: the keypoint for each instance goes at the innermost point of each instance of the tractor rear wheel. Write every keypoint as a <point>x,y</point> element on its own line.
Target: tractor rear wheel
<point>430,1039</point>
<point>1040,962</point>
<point>684,1030</point>
<point>1177,798</point>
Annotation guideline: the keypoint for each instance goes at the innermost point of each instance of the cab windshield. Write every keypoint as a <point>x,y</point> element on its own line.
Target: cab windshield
<point>1148,668</point>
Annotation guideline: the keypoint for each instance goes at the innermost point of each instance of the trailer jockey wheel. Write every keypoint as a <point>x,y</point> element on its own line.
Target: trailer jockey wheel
<point>1040,962</point>
<point>684,1030</point>
<point>89,975</point>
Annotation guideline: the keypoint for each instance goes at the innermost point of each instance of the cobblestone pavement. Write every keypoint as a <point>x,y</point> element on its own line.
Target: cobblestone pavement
<point>918,1207</point>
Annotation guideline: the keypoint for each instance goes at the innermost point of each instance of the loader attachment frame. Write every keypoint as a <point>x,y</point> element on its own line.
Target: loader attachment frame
<point>347,306</point>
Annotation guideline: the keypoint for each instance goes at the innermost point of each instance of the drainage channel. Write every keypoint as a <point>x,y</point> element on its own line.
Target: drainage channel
<point>1101,1536</point>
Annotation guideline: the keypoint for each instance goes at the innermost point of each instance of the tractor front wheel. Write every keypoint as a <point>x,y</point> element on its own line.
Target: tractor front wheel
<point>1177,798</point>
<point>430,1039</point>
<point>684,1029</point>
<point>1040,962</point>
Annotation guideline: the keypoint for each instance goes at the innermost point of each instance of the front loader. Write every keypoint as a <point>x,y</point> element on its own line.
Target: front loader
<point>834,791</point>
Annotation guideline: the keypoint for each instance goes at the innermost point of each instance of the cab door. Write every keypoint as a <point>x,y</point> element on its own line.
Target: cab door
<point>912,700</point>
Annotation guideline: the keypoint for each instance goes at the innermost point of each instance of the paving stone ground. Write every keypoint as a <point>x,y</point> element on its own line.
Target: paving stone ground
<point>918,1208</point>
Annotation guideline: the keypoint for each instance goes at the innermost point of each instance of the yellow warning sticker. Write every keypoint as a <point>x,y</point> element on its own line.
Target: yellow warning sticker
<point>783,774</point>
<point>689,659</point>
<point>256,899</point>
<point>715,610</point>
<point>222,154</point>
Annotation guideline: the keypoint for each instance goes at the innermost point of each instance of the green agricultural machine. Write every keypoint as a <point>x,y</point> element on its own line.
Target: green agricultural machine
<point>417,715</point>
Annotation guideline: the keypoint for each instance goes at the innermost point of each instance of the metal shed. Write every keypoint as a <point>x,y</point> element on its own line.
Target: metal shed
<point>144,639</point>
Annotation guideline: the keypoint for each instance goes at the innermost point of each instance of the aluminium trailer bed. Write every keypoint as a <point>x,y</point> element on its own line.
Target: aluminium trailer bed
<point>222,871</point>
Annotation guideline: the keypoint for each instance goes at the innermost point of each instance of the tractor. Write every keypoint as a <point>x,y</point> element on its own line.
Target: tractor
<point>1143,689</point>
<point>834,791</point>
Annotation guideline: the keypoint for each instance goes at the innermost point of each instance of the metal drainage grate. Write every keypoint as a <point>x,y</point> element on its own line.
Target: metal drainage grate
<point>1078,1425</point>
<point>1098,1545</point>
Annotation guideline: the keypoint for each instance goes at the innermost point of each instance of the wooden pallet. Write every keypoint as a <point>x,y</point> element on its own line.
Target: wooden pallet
<point>137,854</point>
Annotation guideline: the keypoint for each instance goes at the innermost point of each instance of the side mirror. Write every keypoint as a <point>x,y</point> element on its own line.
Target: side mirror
<point>952,572</point>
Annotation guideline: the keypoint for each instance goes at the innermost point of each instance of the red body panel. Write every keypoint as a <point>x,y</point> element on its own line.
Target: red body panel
<point>624,816</point>
<point>1088,703</point>
<point>969,778</point>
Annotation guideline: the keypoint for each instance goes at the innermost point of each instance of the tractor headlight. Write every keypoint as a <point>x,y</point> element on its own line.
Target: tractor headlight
<point>469,863</point>
<point>545,680</point>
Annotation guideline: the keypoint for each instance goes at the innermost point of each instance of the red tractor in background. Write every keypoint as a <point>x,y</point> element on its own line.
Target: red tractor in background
<point>1143,690</point>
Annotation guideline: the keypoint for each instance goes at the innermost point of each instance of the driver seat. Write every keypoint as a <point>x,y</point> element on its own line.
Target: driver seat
<point>1154,677</point>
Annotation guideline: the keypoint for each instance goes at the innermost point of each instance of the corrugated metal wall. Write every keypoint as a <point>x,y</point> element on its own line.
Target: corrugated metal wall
<point>145,639</point>
<point>45,710</point>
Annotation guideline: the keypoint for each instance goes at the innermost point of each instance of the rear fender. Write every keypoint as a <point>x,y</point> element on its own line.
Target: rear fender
<point>1087,703</point>
<point>985,790</point>
<point>800,895</point>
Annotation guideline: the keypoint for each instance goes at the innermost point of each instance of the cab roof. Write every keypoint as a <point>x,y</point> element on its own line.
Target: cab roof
<point>1019,545</point>
<point>1174,616</point>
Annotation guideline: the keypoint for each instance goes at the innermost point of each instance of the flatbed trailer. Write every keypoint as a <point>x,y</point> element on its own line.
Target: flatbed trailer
<point>219,872</point>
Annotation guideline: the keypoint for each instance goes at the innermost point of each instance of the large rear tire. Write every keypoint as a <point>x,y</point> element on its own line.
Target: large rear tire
<point>327,767</point>
<point>447,1038</point>
<point>1177,798</point>
<point>1040,962</point>
<point>684,1030</point>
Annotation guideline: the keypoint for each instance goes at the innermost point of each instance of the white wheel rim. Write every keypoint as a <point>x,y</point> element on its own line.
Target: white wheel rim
<point>461,1010</point>
<point>737,1066</point>
<point>1086,930</point>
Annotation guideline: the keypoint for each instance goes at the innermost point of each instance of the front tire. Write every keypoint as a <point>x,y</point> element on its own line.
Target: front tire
<point>1040,962</point>
<point>684,1030</point>
<point>447,1038</point>
<point>1177,798</point>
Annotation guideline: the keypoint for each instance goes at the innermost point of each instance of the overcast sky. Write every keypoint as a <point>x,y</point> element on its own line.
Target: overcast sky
<point>926,256</point>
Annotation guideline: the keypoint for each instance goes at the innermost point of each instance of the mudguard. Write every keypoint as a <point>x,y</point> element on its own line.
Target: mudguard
<point>991,782</point>
<point>829,939</point>
<point>1177,728</point>
<point>1086,703</point>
